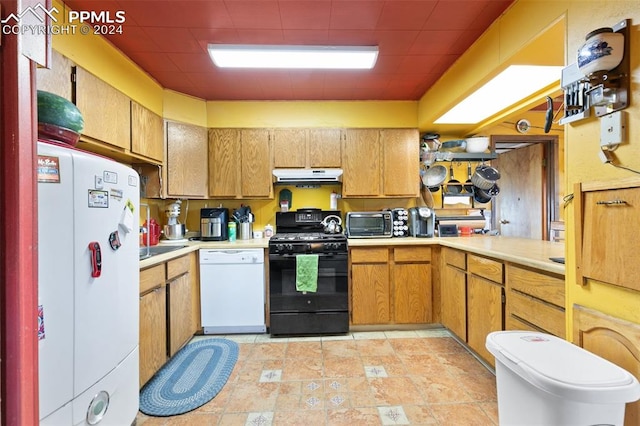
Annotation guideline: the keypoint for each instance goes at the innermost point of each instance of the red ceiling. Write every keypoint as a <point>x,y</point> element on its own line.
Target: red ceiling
<point>418,41</point>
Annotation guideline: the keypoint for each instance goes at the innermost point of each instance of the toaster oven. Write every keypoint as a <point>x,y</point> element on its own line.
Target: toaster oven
<point>369,224</point>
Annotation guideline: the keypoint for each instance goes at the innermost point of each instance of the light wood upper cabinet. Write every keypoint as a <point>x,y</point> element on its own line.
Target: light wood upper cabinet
<point>57,78</point>
<point>361,163</point>
<point>289,148</point>
<point>400,148</point>
<point>381,163</point>
<point>307,148</point>
<point>256,165</point>
<point>186,160</point>
<point>147,136</point>
<point>224,171</point>
<point>240,163</point>
<point>106,111</point>
<point>325,147</point>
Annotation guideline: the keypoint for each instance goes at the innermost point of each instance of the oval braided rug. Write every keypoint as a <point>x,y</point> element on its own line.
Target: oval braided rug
<point>190,379</point>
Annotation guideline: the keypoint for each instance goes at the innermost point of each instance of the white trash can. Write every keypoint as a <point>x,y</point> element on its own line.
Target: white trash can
<point>545,380</point>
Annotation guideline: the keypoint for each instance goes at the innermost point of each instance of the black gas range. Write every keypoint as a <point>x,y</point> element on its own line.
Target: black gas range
<point>325,310</point>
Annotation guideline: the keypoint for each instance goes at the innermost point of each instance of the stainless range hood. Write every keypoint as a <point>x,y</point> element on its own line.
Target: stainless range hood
<point>307,176</point>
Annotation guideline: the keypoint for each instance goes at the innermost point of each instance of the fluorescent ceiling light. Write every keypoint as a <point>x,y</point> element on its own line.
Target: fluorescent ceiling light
<point>507,88</point>
<point>272,56</point>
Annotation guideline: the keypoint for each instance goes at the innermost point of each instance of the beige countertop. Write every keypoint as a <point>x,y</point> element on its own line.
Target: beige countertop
<point>190,246</point>
<point>527,252</point>
<point>532,253</point>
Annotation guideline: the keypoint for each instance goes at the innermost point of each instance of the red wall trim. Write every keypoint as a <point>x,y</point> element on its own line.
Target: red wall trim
<point>18,236</point>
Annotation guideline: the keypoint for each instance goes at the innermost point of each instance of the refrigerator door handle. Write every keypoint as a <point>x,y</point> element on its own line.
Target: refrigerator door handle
<point>96,259</point>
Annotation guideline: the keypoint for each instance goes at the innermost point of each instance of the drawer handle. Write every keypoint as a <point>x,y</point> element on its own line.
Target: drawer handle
<point>611,202</point>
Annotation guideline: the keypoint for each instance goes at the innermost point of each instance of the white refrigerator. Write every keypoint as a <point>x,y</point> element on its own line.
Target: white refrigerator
<point>88,286</point>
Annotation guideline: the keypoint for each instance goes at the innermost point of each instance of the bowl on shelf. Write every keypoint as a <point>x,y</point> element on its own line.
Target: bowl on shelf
<point>477,144</point>
<point>454,146</point>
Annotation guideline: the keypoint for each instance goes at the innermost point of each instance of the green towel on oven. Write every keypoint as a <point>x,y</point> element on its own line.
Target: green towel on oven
<point>307,272</point>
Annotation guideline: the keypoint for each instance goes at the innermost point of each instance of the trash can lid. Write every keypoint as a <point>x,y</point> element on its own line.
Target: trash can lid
<point>562,368</point>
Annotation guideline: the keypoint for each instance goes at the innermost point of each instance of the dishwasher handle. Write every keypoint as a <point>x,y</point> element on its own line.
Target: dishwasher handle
<point>227,257</point>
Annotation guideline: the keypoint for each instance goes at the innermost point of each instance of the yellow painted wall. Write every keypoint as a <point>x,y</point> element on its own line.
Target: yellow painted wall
<point>582,144</point>
<point>312,114</point>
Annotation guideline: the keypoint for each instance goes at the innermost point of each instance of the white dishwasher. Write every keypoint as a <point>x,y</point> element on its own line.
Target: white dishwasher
<point>232,292</point>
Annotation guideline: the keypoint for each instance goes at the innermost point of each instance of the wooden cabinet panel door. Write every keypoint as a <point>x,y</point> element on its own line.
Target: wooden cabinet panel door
<point>186,160</point>
<point>484,313</point>
<point>147,136</point>
<point>106,111</point>
<point>153,333</point>
<point>401,159</point>
<point>370,294</point>
<point>224,170</point>
<point>256,163</point>
<point>289,148</point>
<point>361,163</point>
<point>453,294</point>
<point>325,147</point>
<point>412,294</point>
<point>180,328</point>
<point>57,78</point>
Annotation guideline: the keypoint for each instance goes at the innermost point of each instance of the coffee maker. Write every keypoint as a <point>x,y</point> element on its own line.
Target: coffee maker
<point>422,222</point>
<point>213,224</point>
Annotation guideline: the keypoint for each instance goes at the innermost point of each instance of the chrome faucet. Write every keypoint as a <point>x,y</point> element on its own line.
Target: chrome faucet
<point>146,230</point>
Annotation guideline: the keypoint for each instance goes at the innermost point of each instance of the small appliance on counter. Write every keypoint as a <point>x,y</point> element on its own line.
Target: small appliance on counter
<point>174,230</point>
<point>213,224</point>
<point>369,224</point>
<point>400,222</point>
<point>421,222</point>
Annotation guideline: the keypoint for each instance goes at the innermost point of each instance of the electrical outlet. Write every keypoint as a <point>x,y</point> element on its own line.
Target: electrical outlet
<point>612,130</point>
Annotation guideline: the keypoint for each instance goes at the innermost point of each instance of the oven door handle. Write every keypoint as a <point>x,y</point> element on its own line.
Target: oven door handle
<point>323,256</point>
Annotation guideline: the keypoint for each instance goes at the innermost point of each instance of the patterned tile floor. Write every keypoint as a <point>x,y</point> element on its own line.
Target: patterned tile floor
<point>422,377</point>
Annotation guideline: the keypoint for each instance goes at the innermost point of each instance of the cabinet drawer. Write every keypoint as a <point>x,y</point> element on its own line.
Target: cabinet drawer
<point>546,287</point>
<point>455,258</point>
<point>486,268</point>
<point>412,254</point>
<point>151,277</point>
<point>370,255</point>
<point>177,267</point>
<point>543,315</point>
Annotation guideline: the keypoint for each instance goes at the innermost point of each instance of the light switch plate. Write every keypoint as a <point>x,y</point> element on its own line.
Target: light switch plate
<point>612,130</point>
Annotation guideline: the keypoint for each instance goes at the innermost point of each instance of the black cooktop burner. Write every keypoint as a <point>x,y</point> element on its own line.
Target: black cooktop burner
<point>306,236</point>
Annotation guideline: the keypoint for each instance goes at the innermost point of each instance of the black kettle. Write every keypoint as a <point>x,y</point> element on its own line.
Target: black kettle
<point>332,224</point>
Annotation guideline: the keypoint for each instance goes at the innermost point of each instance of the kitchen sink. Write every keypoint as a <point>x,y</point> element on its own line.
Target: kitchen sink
<point>154,250</point>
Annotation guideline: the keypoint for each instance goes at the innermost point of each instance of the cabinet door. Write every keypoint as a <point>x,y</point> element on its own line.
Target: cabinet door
<point>153,333</point>
<point>180,327</point>
<point>57,78</point>
<point>484,312</point>
<point>186,160</point>
<point>370,294</point>
<point>453,293</point>
<point>361,163</point>
<point>325,147</point>
<point>412,293</point>
<point>400,161</point>
<point>147,136</point>
<point>106,111</point>
<point>224,172</point>
<point>289,148</point>
<point>255,152</point>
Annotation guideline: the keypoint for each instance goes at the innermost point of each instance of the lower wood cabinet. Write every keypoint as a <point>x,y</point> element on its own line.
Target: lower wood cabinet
<point>453,291</point>
<point>535,301</point>
<point>484,313</point>
<point>166,317</point>
<point>391,285</point>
